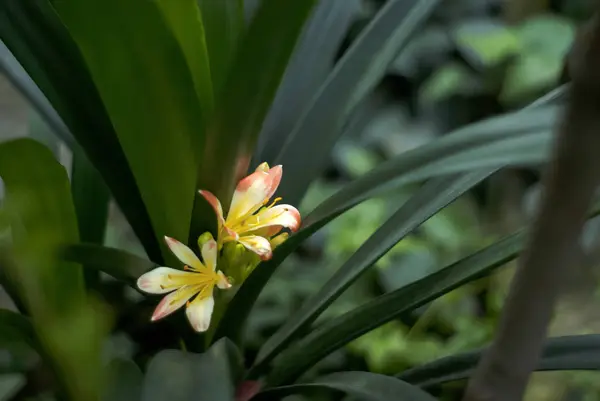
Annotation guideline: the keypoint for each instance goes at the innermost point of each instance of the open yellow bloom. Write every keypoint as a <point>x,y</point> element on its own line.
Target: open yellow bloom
<point>249,220</point>
<point>198,280</point>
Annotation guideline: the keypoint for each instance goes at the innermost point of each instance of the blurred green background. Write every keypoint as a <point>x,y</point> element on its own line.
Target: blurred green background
<point>474,59</point>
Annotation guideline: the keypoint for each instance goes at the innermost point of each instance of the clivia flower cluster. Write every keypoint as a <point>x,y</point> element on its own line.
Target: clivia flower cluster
<point>253,221</point>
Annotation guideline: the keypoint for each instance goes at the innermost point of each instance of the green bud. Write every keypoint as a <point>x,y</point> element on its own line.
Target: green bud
<point>204,238</point>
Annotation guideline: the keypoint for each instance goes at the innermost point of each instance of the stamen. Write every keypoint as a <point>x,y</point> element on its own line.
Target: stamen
<point>274,202</point>
<point>187,304</point>
<point>186,267</point>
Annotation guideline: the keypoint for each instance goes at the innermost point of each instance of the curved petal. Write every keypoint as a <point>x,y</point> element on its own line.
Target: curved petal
<point>223,282</point>
<point>252,192</point>
<point>258,245</point>
<point>216,205</point>
<point>183,253</point>
<point>164,279</point>
<point>199,312</point>
<point>209,254</point>
<point>273,218</point>
<point>174,301</point>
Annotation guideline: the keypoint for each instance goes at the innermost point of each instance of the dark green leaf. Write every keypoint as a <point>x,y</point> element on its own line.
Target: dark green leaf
<point>180,376</point>
<point>364,386</point>
<point>431,198</point>
<point>560,353</point>
<point>395,171</point>
<point>115,262</point>
<point>11,68</point>
<point>318,47</point>
<point>343,329</point>
<point>359,70</point>
<point>257,68</point>
<point>38,201</point>
<point>124,381</point>
<point>133,80</point>
<point>18,338</point>
<point>183,17</point>
<point>223,26</point>
<point>91,199</point>
<point>40,42</point>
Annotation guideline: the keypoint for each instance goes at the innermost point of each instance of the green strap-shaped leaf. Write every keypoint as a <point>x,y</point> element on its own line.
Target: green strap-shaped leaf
<point>430,199</point>
<point>180,376</point>
<point>121,265</point>
<point>395,171</point>
<point>91,198</point>
<point>359,70</point>
<point>345,328</point>
<point>183,17</point>
<point>257,68</point>
<point>40,42</point>
<point>144,81</point>
<point>223,27</point>
<point>317,47</point>
<point>560,353</point>
<point>339,331</point>
<point>364,386</point>
<point>18,338</point>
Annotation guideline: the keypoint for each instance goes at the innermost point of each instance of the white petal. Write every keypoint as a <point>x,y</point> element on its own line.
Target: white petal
<point>258,245</point>
<point>199,312</point>
<point>174,301</point>
<point>163,279</point>
<point>209,254</point>
<point>223,283</point>
<point>274,218</point>
<point>183,253</point>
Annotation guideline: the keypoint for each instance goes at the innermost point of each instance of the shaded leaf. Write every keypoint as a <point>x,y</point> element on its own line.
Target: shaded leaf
<point>360,69</point>
<point>362,385</point>
<point>40,42</point>
<point>431,198</point>
<point>179,376</point>
<point>18,341</point>
<point>134,95</point>
<point>559,353</point>
<point>317,47</point>
<point>121,265</point>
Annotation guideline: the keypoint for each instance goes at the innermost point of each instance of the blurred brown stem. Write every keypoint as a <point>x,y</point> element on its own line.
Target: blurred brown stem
<point>570,182</point>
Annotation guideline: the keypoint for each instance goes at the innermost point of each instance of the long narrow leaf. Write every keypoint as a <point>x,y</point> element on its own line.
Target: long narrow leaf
<point>40,42</point>
<point>360,385</point>
<point>349,326</point>
<point>134,79</point>
<point>317,47</point>
<point>121,265</point>
<point>559,353</point>
<point>91,199</point>
<point>257,68</point>
<point>343,329</point>
<point>431,198</point>
<point>472,136</point>
<point>11,68</point>
<point>223,27</point>
<point>361,68</point>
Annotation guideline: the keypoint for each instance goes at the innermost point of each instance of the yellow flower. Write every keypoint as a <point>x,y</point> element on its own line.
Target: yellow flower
<point>250,221</point>
<point>199,280</point>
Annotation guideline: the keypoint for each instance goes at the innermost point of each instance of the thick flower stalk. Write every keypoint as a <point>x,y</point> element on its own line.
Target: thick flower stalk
<point>251,220</point>
<point>198,280</point>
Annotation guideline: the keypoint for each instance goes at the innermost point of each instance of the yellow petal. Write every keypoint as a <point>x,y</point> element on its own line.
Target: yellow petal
<point>183,253</point>
<point>164,279</point>
<point>264,166</point>
<point>252,192</point>
<point>258,245</point>
<point>199,312</point>
<point>174,301</point>
<point>209,254</point>
<point>275,217</point>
